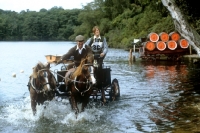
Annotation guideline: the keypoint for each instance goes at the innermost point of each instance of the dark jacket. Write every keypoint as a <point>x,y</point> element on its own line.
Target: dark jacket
<point>87,51</point>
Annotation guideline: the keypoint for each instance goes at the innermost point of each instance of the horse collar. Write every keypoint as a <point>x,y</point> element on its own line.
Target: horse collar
<point>82,93</point>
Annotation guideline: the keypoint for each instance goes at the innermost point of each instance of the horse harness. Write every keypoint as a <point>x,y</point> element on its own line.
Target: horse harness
<point>32,83</point>
<point>88,85</point>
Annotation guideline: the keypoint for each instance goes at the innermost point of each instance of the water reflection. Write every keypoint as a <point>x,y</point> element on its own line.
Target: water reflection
<point>178,110</point>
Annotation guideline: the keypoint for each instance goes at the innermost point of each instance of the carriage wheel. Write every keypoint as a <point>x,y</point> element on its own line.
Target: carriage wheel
<point>115,90</point>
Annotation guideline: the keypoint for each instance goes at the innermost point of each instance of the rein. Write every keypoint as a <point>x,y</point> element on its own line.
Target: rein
<point>69,78</point>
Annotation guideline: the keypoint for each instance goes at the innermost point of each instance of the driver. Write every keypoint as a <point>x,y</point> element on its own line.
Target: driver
<point>77,52</point>
<point>98,44</point>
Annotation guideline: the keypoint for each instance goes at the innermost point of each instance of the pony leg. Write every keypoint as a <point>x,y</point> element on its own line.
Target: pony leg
<point>70,101</point>
<point>33,96</point>
<point>74,105</point>
<point>84,104</point>
<point>103,95</point>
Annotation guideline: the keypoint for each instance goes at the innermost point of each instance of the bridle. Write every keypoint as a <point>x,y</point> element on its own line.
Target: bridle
<point>40,78</point>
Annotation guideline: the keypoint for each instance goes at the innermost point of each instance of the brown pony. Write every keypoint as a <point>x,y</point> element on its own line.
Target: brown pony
<point>81,82</point>
<point>41,85</point>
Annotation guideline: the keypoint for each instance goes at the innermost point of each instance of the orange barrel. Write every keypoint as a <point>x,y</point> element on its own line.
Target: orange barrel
<point>161,45</point>
<point>149,45</point>
<point>183,43</point>
<point>153,37</point>
<point>174,36</point>
<point>172,45</point>
<point>164,36</point>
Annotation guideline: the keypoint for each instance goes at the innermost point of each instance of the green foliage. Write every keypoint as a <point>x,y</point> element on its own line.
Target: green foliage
<point>136,21</point>
<point>165,25</point>
<point>120,21</point>
<point>45,25</point>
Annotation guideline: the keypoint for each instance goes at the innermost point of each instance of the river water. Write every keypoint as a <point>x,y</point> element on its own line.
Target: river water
<point>155,97</point>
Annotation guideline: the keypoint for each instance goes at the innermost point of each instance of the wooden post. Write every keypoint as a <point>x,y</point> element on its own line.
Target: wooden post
<point>134,49</point>
<point>190,49</point>
<point>133,58</point>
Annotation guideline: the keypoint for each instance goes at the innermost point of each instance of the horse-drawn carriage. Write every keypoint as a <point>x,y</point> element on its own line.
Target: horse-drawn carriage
<point>103,80</point>
<point>82,88</point>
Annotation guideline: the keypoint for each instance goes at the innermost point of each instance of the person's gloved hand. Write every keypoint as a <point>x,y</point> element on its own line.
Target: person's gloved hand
<point>102,55</point>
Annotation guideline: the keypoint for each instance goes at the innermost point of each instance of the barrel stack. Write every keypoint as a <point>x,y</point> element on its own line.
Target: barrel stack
<point>164,41</point>
<point>171,45</point>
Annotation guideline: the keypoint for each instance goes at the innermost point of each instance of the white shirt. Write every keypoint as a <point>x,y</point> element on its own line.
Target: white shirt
<point>80,50</point>
<point>97,37</point>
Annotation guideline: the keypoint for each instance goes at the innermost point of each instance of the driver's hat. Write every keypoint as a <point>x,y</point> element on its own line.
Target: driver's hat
<point>79,38</point>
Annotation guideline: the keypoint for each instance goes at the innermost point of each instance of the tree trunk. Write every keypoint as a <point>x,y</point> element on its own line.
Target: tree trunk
<point>182,25</point>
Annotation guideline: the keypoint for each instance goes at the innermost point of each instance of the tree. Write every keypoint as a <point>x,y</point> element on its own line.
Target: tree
<point>182,26</point>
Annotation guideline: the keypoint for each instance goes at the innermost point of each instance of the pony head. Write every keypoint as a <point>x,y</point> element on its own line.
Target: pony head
<point>85,68</point>
<point>43,78</point>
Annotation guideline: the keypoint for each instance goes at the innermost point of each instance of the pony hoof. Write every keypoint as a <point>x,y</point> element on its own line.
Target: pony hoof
<point>34,113</point>
<point>76,113</point>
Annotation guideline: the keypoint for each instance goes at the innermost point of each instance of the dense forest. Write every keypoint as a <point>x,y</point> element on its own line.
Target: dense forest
<point>120,21</point>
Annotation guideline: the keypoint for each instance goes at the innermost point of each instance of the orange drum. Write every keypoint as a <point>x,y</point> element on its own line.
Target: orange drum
<point>172,45</point>
<point>161,45</point>
<point>150,45</point>
<point>175,36</point>
<point>153,37</point>
<point>164,36</point>
<point>183,43</point>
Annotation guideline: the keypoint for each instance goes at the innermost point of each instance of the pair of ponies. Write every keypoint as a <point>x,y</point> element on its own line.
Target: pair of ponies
<point>42,85</point>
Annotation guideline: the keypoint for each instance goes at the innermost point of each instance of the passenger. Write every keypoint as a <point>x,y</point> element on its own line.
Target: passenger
<point>77,52</point>
<point>98,44</point>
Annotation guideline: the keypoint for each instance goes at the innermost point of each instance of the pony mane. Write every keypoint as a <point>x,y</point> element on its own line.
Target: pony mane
<point>78,70</point>
<point>35,69</point>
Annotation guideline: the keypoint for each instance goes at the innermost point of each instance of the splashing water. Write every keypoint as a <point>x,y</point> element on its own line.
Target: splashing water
<point>58,110</point>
